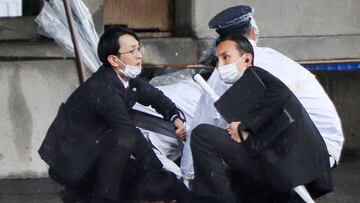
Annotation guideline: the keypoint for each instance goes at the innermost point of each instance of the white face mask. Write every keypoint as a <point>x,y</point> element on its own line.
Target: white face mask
<point>229,73</point>
<point>130,70</point>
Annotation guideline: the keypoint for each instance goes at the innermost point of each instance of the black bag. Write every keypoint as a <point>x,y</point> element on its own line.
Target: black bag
<point>243,96</point>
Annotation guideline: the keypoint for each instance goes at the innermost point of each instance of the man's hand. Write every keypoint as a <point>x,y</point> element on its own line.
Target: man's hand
<point>232,129</point>
<point>180,129</point>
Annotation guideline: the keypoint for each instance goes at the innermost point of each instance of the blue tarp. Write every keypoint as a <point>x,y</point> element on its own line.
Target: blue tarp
<point>334,67</point>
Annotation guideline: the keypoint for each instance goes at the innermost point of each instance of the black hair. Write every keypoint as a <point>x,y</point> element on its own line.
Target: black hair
<point>242,44</point>
<point>109,42</point>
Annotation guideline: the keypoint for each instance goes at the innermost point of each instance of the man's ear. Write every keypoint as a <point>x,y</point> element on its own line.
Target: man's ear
<point>253,33</point>
<point>248,58</point>
<point>113,61</point>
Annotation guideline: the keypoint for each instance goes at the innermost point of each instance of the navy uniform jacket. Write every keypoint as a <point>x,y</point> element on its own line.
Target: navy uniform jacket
<point>295,156</point>
<point>98,106</point>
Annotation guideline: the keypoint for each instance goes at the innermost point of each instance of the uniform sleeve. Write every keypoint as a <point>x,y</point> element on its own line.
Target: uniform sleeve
<point>149,95</point>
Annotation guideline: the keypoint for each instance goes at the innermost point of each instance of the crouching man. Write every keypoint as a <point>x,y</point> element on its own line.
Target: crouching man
<point>88,145</point>
<point>292,156</point>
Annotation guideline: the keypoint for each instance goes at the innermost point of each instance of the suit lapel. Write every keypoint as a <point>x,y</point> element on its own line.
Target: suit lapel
<point>130,97</point>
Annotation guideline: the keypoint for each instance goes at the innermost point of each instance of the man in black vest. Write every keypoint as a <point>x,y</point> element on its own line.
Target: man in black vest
<point>88,145</point>
<point>254,147</point>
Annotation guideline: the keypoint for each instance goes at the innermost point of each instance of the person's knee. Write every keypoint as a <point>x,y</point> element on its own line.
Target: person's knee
<point>200,133</point>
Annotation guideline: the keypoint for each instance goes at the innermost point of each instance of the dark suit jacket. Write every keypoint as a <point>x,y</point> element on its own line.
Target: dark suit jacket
<point>295,156</point>
<point>99,105</point>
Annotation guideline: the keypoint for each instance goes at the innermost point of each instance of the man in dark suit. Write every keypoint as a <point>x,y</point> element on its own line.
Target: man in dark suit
<point>88,145</point>
<point>295,155</point>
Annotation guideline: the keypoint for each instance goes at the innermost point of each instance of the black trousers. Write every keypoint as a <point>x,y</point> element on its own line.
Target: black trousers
<point>108,175</point>
<point>213,153</point>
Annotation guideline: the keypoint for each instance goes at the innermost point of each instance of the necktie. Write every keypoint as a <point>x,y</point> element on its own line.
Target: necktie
<point>125,92</point>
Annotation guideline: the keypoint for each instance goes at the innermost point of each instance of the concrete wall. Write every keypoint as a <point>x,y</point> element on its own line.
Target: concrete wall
<point>304,30</point>
<point>343,87</point>
<point>282,18</point>
<point>18,28</point>
<point>31,92</point>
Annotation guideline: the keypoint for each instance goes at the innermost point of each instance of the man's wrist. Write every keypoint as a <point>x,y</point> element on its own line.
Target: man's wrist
<point>180,115</point>
<point>174,117</point>
<point>241,128</point>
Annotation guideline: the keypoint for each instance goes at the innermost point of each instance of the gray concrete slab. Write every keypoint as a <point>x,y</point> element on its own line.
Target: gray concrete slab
<point>346,180</point>
<point>157,50</point>
<point>170,50</point>
<point>39,49</point>
<point>31,93</point>
<point>316,47</point>
<point>283,18</point>
<point>343,87</point>
<point>18,28</point>
<point>308,48</point>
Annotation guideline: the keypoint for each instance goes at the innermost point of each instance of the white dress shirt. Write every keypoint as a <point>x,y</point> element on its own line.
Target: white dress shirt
<point>185,94</point>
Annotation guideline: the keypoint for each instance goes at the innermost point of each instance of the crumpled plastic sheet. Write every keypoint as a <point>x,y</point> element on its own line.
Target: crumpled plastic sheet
<point>175,77</point>
<point>52,23</point>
